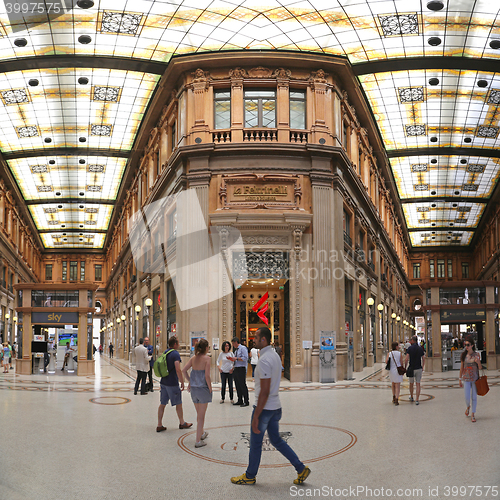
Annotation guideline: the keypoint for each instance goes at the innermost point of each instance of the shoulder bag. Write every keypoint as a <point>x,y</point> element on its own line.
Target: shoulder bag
<point>482,387</point>
<point>401,369</point>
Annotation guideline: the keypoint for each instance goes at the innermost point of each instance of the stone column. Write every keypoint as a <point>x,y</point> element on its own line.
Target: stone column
<point>200,131</point>
<point>435,360</point>
<point>324,268</point>
<point>489,330</point>
<point>321,93</point>
<point>283,104</point>
<point>237,104</point>
<point>296,366</point>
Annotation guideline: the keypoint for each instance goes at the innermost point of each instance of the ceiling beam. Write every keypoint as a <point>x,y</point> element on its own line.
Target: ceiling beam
<point>51,62</point>
<point>443,151</point>
<point>436,63</point>
<point>74,201</point>
<point>454,229</point>
<point>451,199</point>
<point>115,153</point>
<point>86,231</point>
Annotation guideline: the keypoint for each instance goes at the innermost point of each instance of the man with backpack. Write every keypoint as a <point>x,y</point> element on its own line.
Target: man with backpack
<point>169,386</point>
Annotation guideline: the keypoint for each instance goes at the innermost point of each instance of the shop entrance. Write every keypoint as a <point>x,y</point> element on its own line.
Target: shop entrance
<point>452,338</point>
<point>274,307</point>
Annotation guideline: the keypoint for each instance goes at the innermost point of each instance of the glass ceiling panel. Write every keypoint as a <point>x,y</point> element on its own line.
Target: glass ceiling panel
<point>435,108</point>
<point>96,178</point>
<point>59,111</point>
<point>440,238</point>
<point>362,31</point>
<point>73,240</point>
<point>435,176</point>
<point>106,112</point>
<point>84,216</point>
<point>439,213</point>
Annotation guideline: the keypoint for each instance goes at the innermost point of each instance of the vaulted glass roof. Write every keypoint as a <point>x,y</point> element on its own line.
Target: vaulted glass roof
<point>439,123</point>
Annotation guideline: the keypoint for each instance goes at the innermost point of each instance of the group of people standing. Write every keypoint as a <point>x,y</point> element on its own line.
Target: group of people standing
<point>414,362</point>
<point>267,409</point>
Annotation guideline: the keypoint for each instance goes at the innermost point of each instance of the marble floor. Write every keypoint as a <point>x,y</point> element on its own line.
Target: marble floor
<point>89,438</point>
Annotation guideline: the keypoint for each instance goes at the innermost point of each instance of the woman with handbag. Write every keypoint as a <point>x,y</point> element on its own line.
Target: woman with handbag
<point>396,360</point>
<point>469,373</point>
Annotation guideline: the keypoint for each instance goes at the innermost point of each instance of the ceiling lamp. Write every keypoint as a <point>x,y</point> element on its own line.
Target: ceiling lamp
<point>435,5</point>
<point>434,81</point>
<point>495,44</point>
<point>434,41</point>
<point>85,4</point>
<point>84,39</point>
<point>20,42</point>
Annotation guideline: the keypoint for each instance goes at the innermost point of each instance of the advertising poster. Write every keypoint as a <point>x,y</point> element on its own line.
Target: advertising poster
<point>326,341</point>
<point>215,343</point>
<point>195,338</point>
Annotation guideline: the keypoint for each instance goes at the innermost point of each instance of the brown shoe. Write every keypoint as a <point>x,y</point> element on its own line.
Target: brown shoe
<point>161,428</point>
<point>396,402</point>
<point>185,425</point>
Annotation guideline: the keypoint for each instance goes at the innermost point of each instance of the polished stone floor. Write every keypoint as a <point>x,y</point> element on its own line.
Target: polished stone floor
<point>89,438</point>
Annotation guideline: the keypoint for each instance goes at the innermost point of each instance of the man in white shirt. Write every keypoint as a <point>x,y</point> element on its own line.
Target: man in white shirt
<point>267,412</point>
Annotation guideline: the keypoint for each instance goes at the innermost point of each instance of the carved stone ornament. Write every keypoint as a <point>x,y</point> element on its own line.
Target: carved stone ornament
<point>238,73</point>
<point>259,72</point>
<point>282,73</point>
<point>318,76</point>
<point>199,75</point>
<point>264,191</point>
<point>265,240</point>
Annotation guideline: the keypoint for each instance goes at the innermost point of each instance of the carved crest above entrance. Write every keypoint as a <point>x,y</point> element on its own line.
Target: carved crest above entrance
<point>271,191</point>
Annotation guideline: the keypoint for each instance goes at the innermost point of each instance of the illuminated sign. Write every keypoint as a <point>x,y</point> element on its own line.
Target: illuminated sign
<point>57,318</point>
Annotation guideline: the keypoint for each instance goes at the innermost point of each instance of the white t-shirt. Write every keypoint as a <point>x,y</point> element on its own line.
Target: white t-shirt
<point>269,366</point>
<point>255,356</point>
<point>225,364</point>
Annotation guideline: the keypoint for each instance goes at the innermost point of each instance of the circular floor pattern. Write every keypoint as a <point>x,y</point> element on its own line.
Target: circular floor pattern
<point>228,445</point>
<point>117,400</point>
<point>403,398</point>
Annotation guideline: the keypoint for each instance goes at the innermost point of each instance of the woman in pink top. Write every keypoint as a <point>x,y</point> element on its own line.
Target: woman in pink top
<point>469,373</point>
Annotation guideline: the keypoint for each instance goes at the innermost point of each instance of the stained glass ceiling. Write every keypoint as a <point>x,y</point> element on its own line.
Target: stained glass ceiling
<point>440,126</point>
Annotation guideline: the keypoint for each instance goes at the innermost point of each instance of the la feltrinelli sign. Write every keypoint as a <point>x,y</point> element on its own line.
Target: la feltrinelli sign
<point>260,191</point>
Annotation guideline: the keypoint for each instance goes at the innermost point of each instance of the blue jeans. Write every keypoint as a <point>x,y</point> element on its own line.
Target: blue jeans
<point>269,420</point>
<point>470,387</point>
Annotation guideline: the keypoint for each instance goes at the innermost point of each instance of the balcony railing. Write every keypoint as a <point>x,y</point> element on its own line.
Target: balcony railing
<point>347,239</point>
<point>221,136</point>
<point>266,135</point>
<point>298,137</point>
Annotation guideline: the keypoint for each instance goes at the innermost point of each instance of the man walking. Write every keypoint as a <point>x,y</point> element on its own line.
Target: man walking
<point>142,366</point>
<point>169,386</point>
<point>267,413</point>
<point>240,359</point>
<point>150,348</point>
<point>416,356</point>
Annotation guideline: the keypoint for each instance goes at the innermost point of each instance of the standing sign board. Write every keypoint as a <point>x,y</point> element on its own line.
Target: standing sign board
<point>327,356</point>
